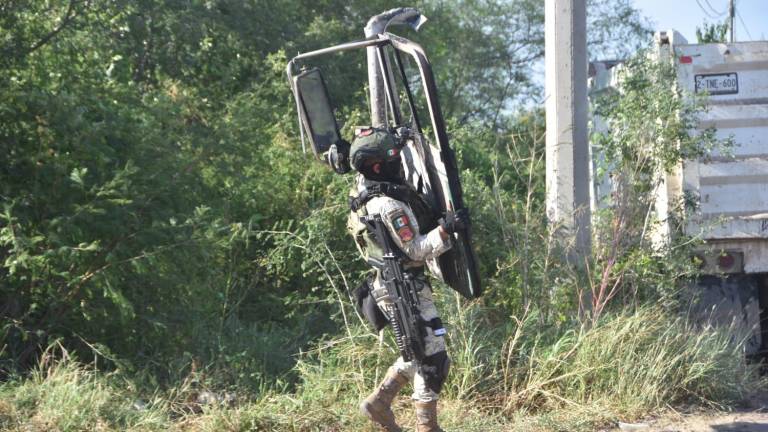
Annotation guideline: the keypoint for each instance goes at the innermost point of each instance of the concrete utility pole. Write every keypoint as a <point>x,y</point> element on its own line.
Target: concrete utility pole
<point>732,15</point>
<point>567,149</point>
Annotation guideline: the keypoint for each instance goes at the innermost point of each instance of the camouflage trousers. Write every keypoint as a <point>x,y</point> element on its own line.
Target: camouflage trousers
<point>432,343</point>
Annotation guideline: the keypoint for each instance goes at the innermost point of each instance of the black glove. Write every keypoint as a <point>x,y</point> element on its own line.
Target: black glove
<point>338,157</point>
<point>455,221</point>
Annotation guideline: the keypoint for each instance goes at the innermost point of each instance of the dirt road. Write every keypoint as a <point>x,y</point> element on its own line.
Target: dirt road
<point>753,421</point>
<point>751,417</point>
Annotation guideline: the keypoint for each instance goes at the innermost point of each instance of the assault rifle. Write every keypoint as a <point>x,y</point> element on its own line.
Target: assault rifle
<point>402,290</point>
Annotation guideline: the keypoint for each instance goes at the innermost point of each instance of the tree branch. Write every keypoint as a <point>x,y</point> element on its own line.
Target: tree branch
<point>68,16</point>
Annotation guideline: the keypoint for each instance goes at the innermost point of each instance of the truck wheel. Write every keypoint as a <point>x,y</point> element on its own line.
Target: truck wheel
<point>729,301</point>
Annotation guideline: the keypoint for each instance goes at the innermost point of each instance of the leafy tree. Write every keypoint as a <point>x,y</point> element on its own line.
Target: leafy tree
<point>713,33</point>
<point>155,205</point>
<point>648,130</point>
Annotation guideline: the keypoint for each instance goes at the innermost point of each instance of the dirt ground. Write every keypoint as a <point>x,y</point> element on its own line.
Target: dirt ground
<point>753,417</point>
<point>736,422</point>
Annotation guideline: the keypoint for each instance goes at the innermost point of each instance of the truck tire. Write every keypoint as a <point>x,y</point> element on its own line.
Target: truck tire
<point>729,301</point>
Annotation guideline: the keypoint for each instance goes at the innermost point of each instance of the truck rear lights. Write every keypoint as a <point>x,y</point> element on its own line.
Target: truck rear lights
<point>718,261</point>
<point>726,261</point>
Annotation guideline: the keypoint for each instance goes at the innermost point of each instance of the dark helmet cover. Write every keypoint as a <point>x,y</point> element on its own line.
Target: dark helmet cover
<point>373,146</point>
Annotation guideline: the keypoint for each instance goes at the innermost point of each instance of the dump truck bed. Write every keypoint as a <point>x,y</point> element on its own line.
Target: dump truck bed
<point>732,189</point>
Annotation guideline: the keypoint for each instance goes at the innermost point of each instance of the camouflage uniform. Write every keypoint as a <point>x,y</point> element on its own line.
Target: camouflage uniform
<point>375,155</point>
<point>422,249</point>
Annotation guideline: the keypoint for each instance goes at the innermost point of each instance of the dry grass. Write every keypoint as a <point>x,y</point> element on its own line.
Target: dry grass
<point>519,378</point>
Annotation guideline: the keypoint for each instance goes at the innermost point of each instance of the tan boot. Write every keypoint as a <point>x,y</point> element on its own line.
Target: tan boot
<point>426,417</point>
<point>377,406</point>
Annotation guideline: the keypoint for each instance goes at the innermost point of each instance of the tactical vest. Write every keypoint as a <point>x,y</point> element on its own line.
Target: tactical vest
<point>366,243</point>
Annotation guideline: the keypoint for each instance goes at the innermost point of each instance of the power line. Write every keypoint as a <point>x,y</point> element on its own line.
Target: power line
<point>719,14</point>
<point>708,13</point>
<point>743,24</point>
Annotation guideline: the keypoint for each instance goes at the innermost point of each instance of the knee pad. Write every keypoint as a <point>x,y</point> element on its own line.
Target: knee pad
<point>434,369</point>
<point>406,369</point>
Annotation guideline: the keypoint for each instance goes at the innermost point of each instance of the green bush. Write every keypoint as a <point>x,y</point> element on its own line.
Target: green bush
<point>159,220</point>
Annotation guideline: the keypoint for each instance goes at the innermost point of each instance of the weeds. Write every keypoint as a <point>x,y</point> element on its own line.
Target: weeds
<point>62,395</point>
<point>520,359</point>
<point>512,378</point>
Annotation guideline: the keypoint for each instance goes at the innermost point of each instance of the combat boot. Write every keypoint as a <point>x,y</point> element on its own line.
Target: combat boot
<point>426,417</point>
<point>377,406</point>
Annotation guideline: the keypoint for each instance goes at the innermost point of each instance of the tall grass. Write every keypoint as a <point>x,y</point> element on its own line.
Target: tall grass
<point>62,395</point>
<point>513,377</point>
<point>627,365</point>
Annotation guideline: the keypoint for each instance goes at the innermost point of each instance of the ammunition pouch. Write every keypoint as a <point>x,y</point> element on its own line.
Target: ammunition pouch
<point>366,305</point>
<point>365,241</point>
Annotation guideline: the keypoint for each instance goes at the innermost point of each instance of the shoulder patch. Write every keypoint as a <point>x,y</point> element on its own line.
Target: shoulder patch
<point>402,226</point>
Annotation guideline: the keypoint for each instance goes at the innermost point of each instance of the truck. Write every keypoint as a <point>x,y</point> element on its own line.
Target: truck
<point>730,189</point>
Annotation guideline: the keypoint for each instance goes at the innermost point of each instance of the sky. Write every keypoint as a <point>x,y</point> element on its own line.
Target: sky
<point>685,15</point>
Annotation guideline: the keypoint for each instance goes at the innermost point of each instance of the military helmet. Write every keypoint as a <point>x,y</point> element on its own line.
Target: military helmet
<point>371,146</point>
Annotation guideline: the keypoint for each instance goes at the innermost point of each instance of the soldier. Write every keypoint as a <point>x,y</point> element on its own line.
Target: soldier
<point>415,229</point>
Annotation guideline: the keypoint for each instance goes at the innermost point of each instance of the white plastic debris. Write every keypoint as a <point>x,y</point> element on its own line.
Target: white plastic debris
<point>633,426</point>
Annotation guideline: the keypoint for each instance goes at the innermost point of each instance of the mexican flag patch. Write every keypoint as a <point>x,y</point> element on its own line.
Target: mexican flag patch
<point>400,221</point>
<point>402,227</point>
